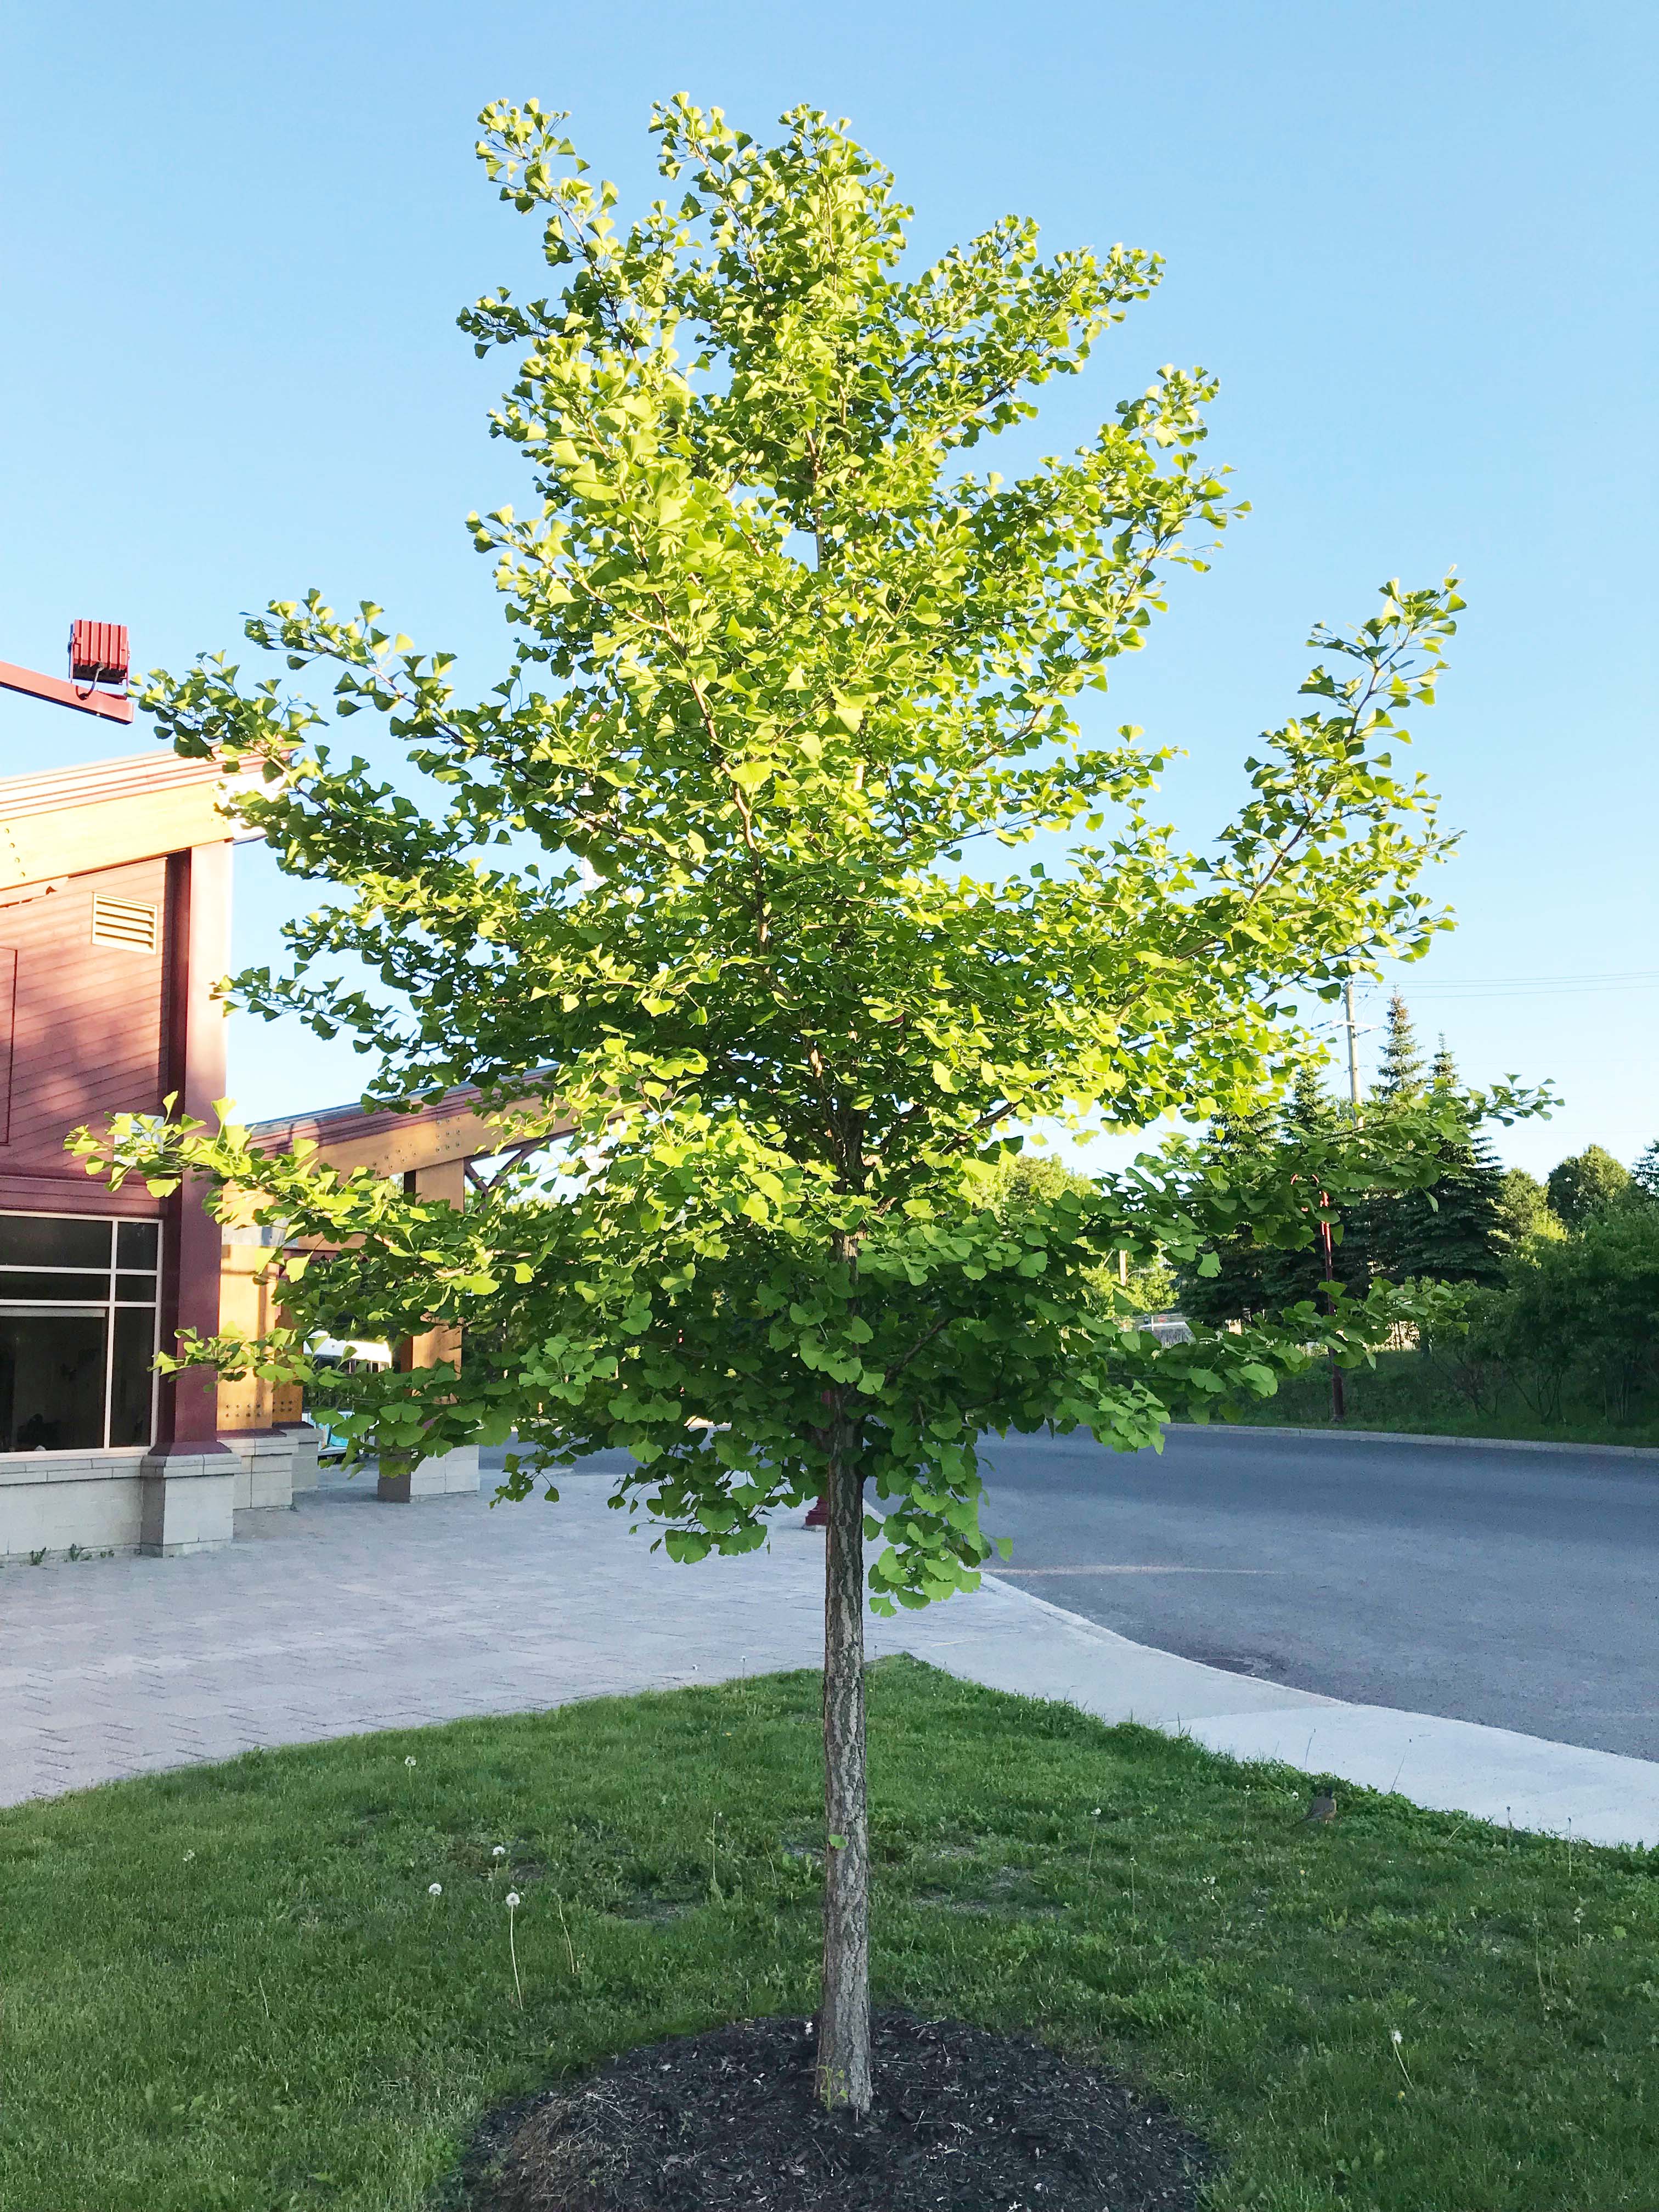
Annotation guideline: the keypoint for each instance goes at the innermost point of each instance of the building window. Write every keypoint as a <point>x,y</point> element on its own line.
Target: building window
<point>123,922</point>
<point>77,1332</point>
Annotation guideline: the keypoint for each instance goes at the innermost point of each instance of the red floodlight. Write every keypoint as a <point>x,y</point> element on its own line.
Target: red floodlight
<point>98,653</point>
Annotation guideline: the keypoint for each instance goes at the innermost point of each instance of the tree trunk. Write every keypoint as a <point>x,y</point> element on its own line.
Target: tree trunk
<point>844,2062</point>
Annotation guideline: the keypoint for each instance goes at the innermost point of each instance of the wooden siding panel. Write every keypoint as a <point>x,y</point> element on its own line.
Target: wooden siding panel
<point>74,1192</point>
<point>7,1036</point>
<point>88,1021</point>
<point>445,1130</point>
<point>47,831</point>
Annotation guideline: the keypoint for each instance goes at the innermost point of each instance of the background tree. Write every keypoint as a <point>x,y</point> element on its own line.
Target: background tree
<point>1400,1071</point>
<point>1576,1324</point>
<point>1234,1284</point>
<point>1149,1284</point>
<point>1645,1174</point>
<point>1585,1184</point>
<point>1523,1210</point>
<point>1248,1272</point>
<point>695,873</point>
<point>1298,1274</point>
<point>1451,1233</point>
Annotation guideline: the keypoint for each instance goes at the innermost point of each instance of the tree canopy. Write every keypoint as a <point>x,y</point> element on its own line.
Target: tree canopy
<point>1585,1184</point>
<point>732,870</point>
<point>1523,1209</point>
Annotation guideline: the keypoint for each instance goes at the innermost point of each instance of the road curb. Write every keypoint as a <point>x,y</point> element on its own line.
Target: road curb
<point>1498,1775</point>
<point>1646,1454</point>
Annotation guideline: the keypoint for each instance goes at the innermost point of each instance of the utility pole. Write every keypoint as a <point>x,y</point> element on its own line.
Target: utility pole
<point>1339,1395</point>
<point>1350,1022</point>
<point>1353,1028</point>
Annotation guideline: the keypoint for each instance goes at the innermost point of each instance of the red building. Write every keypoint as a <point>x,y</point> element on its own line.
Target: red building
<point>114,907</point>
<point>115,884</point>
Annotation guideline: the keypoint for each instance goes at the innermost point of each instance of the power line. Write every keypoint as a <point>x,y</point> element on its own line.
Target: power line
<point>1520,986</point>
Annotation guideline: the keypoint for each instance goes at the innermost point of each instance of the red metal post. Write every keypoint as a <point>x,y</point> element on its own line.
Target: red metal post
<point>111,705</point>
<point>197,945</point>
<point>1338,1396</point>
<point>98,653</point>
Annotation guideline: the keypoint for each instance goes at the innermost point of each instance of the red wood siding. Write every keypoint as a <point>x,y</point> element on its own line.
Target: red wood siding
<point>88,1027</point>
<point>8,1036</point>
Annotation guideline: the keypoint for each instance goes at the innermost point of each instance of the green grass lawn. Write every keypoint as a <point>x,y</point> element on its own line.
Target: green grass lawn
<point>229,1987</point>
<point>1407,1392</point>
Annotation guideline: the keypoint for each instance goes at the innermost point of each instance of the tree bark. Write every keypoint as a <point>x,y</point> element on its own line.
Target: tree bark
<point>843,2059</point>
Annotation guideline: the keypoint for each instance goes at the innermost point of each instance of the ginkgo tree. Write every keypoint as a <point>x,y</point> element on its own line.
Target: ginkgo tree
<point>726,878</point>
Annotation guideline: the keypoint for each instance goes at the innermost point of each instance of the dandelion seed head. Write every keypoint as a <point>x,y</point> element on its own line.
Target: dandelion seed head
<point>500,1851</point>
<point>189,1856</point>
<point>511,1898</point>
<point>409,1762</point>
<point>434,1889</point>
<point>1395,2036</point>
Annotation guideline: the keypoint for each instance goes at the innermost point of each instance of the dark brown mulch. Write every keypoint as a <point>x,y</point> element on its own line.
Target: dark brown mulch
<point>963,2121</point>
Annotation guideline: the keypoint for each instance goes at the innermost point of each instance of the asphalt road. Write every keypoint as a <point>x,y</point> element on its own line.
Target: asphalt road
<point>1516,1588</point>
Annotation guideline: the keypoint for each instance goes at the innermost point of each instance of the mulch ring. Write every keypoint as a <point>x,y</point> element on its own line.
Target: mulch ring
<point>963,2121</point>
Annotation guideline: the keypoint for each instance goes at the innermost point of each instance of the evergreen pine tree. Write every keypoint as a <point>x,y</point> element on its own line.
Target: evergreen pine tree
<point>1294,1275</point>
<point>1381,1219</point>
<point>1456,1233</point>
<point>1645,1174</point>
<point>1257,1279</point>
<point>1241,1286</point>
<point>1400,1076</point>
<point>1458,1239</point>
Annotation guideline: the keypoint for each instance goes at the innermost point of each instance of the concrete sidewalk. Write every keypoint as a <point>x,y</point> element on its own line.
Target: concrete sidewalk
<point>347,1615</point>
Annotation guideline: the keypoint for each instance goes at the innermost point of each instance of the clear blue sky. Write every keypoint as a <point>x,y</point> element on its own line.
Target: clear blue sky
<point>1416,241</point>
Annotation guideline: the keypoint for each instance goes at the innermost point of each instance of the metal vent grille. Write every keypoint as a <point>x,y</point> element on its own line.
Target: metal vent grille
<point>121,921</point>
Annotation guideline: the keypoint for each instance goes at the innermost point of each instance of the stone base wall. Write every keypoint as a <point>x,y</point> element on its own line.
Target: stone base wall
<point>307,1443</point>
<point>265,1473</point>
<point>179,1499</point>
<point>449,1475</point>
<point>187,1497</point>
<point>52,1503</point>
<point>176,1499</point>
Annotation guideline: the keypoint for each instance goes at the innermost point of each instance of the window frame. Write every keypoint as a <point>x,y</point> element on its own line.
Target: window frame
<point>37,1306</point>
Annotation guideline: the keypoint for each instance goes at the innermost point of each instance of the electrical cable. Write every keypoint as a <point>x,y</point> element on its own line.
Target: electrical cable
<point>1517,987</point>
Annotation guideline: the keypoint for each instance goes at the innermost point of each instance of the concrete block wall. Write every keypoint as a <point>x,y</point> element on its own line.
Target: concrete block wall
<point>449,1475</point>
<point>187,1499</point>
<point>307,1443</point>
<point>264,1470</point>
<point>179,1499</point>
<point>161,1502</point>
<point>52,1501</point>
